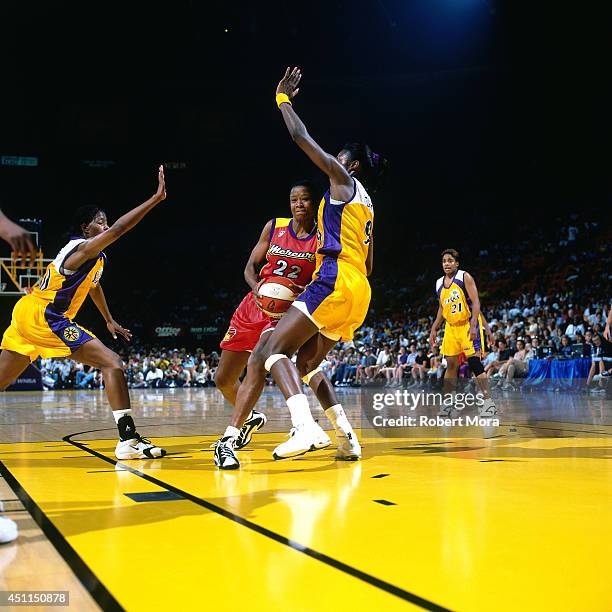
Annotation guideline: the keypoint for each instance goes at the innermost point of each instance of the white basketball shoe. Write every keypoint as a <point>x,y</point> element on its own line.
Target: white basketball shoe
<point>349,448</point>
<point>303,438</point>
<point>138,448</point>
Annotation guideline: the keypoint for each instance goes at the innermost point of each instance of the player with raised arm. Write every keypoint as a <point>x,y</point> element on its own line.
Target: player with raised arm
<point>335,303</point>
<point>42,323</point>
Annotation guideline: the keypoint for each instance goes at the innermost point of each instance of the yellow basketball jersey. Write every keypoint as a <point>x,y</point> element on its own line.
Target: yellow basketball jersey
<point>455,302</point>
<point>66,289</point>
<point>345,228</point>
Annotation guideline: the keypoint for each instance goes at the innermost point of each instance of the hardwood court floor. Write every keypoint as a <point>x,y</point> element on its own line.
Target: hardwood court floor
<point>516,519</point>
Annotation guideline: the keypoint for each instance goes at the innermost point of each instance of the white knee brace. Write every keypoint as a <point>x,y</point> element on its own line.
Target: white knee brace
<point>272,359</point>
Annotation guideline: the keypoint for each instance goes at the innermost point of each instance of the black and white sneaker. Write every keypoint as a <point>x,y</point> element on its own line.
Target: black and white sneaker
<point>138,448</point>
<point>488,409</point>
<point>225,457</point>
<point>254,422</point>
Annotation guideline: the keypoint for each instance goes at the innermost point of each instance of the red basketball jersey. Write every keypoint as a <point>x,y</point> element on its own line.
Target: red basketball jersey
<point>288,255</point>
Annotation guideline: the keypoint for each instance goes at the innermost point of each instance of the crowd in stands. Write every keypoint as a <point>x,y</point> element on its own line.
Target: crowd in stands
<point>396,352</point>
<point>545,293</point>
<point>534,326</point>
<point>152,368</point>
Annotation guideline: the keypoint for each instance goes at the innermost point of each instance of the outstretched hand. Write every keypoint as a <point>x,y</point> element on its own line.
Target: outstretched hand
<point>19,239</point>
<point>289,83</point>
<point>114,328</point>
<point>161,186</point>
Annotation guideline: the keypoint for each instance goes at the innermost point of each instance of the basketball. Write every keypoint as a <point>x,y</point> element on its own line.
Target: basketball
<point>276,296</point>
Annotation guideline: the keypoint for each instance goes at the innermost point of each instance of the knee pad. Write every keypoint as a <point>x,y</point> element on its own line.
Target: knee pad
<point>272,359</point>
<point>475,365</point>
<point>307,378</point>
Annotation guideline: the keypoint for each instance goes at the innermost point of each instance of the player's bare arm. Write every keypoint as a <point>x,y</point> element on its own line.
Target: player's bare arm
<point>370,258</point>
<point>99,299</point>
<point>341,183</point>
<point>490,337</point>
<point>470,287</point>
<point>92,246</point>
<point>435,326</point>
<point>257,258</point>
<point>608,324</point>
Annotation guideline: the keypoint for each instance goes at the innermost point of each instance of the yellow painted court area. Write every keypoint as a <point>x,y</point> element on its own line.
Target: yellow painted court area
<point>520,521</point>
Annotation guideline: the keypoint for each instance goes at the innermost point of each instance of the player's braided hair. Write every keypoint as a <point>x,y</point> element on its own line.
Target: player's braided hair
<point>372,164</point>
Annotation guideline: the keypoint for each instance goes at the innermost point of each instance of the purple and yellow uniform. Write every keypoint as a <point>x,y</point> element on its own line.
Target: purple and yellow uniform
<point>338,297</point>
<point>457,310</point>
<point>42,321</point>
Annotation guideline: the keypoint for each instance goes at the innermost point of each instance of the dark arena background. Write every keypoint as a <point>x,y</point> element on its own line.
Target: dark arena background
<point>494,117</point>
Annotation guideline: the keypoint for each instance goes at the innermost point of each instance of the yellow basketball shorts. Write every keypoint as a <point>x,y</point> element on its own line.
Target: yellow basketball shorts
<point>457,340</point>
<point>337,299</point>
<point>36,330</point>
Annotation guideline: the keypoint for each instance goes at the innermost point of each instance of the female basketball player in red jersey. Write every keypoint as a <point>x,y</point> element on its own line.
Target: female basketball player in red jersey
<point>42,322</point>
<point>286,247</point>
<point>334,304</point>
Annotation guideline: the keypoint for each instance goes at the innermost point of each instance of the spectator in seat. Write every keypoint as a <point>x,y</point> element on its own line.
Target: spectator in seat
<point>518,365</point>
<point>420,367</point>
<point>597,365</point>
<point>368,360</point>
<point>154,377</point>
<point>436,367</point>
<point>400,366</point>
<point>381,361</point>
<point>503,355</point>
<point>565,350</point>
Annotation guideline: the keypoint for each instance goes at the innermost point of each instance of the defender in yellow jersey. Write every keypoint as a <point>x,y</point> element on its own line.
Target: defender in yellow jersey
<point>42,323</point>
<point>459,306</point>
<point>334,304</point>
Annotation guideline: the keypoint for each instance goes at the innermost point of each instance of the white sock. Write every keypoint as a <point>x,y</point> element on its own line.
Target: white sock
<point>338,419</point>
<point>299,409</point>
<point>231,432</point>
<point>121,413</point>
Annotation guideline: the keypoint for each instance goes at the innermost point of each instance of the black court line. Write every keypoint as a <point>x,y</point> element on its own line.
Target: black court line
<point>384,502</point>
<point>81,570</point>
<point>310,552</point>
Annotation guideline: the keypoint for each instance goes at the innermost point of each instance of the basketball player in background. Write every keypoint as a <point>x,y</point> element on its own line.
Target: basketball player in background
<point>42,322</point>
<point>459,306</point>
